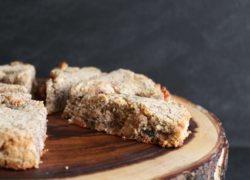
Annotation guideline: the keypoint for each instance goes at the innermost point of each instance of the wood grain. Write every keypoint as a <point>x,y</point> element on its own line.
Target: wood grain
<point>74,152</point>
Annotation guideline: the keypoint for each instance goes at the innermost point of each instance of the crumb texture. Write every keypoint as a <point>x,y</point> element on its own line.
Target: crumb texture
<point>60,82</point>
<point>23,126</point>
<point>18,73</point>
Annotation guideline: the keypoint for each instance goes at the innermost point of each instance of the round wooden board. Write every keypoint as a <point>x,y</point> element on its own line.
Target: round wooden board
<point>77,153</point>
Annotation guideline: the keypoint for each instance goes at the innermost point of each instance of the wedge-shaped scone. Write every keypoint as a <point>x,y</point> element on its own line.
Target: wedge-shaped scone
<point>23,125</point>
<point>122,81</point>
<point>60,82</point>
<point>18,73</point>
<point>146,120</point>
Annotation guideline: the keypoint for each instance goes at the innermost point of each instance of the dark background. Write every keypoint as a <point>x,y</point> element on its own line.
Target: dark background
<point>199,49</point>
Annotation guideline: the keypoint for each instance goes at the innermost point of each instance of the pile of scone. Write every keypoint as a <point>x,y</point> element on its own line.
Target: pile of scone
<point>120,103</point>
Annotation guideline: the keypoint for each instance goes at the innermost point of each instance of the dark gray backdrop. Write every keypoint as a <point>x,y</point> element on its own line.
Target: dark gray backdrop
<point>199,49</point>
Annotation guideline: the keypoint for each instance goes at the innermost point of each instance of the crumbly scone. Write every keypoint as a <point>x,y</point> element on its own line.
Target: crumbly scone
<point>60,82</point>
<point>129,105</point>
<point>23,126</point>
<point>18,73</point>
<point>148,120</point>
<point>122,81</point>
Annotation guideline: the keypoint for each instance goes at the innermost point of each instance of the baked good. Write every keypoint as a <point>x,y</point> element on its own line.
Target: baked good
<point>23,125</point>
<point>60,82</point>
<point>130,105</point>
<point>18,73</point>
<point>148,120</point>
<point>122,81</point>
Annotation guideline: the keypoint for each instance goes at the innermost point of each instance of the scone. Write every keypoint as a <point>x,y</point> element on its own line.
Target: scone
<point>148,120</point>
<point>23,125</point>
<point>60,82</point>
<point>130,105</point>
<point>18,73</point>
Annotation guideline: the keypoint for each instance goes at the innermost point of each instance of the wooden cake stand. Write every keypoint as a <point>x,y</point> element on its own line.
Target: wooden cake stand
<point>77,153</point>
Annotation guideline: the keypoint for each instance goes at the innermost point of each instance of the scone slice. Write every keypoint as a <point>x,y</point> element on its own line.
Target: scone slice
<point>23,126</point>
<point>60,82</point>
<point>18,73</point>
<point>147,120</point>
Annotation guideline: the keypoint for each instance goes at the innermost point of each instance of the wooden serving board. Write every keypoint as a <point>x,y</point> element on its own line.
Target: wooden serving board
<point>77,153</point>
